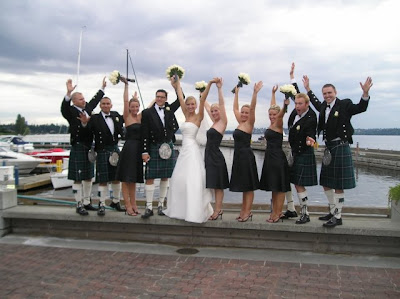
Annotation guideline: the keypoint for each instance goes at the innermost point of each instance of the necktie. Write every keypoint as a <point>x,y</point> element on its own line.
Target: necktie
<point>161,108</point>
<point>108,116</point>
<point>328,106</point>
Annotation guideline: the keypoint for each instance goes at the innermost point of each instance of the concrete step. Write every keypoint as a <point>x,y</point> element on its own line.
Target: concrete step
<point>358,235</point>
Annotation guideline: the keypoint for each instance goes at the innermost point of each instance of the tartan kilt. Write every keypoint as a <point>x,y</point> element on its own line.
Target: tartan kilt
<point>339,174</point>
<point>304,169</point>
<point>79,166</point>
<point>158,168</point>
<point>105,172</point>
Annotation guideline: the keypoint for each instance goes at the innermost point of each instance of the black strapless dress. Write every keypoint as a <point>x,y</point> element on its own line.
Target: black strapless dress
<point>130,165</point>
<point>275,172</point>
<point>216,171</point>
<point>244,176</point>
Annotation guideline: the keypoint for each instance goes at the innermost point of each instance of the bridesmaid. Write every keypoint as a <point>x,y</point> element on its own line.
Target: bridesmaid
<point>275,171</point>
<point>244,176</point>
<point>216,171</point>
<point>130,165</point>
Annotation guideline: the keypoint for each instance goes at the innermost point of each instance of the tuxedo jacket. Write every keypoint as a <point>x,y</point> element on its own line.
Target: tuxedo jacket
<point>153,131</point>
<point>338,123</point>
<point>303,128</point>
<point>101,132</point>
<point>70,113</point>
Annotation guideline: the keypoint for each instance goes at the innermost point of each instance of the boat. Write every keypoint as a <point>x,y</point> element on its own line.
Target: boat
<point>25,163</point>
<point>55,154</point>
<point>60,180</point>
<point>16,143</point>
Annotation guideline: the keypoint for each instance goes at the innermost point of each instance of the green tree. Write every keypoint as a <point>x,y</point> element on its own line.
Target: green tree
<point>21,127</point>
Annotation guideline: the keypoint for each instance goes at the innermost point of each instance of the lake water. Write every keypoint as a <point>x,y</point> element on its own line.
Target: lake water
<point>372,183</point>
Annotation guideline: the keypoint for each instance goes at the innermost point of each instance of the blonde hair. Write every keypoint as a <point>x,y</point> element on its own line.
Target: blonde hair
<point>304,96</point>
<point>275,107</point>
<point>246,105</point>
<point>215,105</point>
<point>134,100</point>
<point>190,98</point>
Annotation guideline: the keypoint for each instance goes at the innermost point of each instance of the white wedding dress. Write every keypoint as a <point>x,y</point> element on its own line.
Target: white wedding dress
<point>188,198</point>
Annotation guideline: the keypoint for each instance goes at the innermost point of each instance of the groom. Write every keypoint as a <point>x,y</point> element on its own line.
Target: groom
<point>158,128</point>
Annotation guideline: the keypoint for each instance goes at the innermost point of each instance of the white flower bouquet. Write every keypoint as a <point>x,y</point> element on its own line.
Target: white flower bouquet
<point>243,79</point>
<point>200,86</point>
<point>114,77</point>
<point>288,90</point>
<point>175,70</point>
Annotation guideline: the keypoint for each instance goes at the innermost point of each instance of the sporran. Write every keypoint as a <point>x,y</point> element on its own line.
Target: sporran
<point>165,151</point>
<point>327,158</point>
<point>114,157</point>
<point>92,155</point>
<point>290,158</point>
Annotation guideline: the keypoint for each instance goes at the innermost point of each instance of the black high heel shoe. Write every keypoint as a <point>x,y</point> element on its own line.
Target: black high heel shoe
<point>217,216</point>
<point>246,218</point>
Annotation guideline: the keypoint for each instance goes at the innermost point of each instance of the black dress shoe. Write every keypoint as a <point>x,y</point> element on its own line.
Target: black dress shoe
<point>303,219</point>
<point>326,217</point>
<point>117,206</point>
<point>81,211</point>
<point>289,214</point>
<point>147,213</point>
<point>333,222</point>
<point>89,207</point>
<point>160,211</point>
<point>101,211</point>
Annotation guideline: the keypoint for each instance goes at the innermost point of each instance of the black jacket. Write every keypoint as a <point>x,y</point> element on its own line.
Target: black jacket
<point>101,132</point>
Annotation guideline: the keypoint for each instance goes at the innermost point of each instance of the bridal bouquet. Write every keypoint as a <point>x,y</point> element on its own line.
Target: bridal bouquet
<point>200,86</point>
<point>175,70</point>
<point>114,77</point>
<point>288,90</point>
<point>243,79</point>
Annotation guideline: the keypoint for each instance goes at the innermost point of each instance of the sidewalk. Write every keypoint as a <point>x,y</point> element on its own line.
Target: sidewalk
<point>37,267</point>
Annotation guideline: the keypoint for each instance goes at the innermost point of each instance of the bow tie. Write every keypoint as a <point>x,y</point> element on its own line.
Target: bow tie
<point>161,108</point>
<point>328,106</point>
<point>107,116</point>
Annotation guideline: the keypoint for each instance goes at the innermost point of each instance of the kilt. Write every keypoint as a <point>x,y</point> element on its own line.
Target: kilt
<point>158,168</point>
<point>339,174</point>
<point>79,166</point>
<point>105,172</point>
<point>304,169</point>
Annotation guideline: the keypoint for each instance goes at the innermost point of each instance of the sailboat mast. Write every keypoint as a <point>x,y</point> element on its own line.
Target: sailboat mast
<point>79,55</point>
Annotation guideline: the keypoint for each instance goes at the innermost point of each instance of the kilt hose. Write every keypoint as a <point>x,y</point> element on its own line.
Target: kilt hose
<point>304,169</point>
<point>105,172</point>
<point>158,168</point>
<point>79,166</point>
<point>339,174</point>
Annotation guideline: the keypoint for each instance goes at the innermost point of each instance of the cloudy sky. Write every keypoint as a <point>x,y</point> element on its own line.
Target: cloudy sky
<point>338,42</point>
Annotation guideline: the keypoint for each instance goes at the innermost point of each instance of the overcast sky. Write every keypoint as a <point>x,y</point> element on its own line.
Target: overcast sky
<point>338,42</point>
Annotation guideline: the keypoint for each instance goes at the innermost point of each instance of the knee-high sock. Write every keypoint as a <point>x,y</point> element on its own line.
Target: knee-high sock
<point>87,191</point>
<point>303,200</point>
<point>163,192</point>
<point>290,202</point>
<point>77,190</point>
<point>103,192</point>
<point>116,191</point>
<point>149,190</point>
<point>329,194</point>
<point>339,200</point>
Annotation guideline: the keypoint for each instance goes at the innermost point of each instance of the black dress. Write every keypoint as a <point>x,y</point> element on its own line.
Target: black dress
<point>275,172</point>
<point>130,165</point>
<point>244,176</point>
<point>216,171</point>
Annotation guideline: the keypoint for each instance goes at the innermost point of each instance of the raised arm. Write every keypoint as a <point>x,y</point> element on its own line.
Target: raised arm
<point>126,98</point>
<point>292,79</point>
<point>176,84</point>
<point>236,104</point>
<point>257,88</point>
<point>273,98</point>
<point>207,106</point>
<point>313,99</point>
<point>221,102</point>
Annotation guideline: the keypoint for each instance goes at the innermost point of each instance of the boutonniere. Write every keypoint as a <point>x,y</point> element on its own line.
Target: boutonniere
<point>167,108</point>
<point>336,113</point>
<point>298,128</point>
<point>117,119</point>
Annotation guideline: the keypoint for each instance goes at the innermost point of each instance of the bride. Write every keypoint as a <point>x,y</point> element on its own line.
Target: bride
<point>188,198</point>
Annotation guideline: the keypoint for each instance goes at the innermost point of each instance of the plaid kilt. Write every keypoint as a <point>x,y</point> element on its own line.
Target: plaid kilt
<point>104,171</point>
<point>304,169</point>
<point>339,174</point>
<point>79,167</point>
<point>158,168</point>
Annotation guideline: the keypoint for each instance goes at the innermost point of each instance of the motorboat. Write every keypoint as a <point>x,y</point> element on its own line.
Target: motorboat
<point>54,154</point>
<point>59,178</point>
<point>16,143</point>
<point>25,163</point>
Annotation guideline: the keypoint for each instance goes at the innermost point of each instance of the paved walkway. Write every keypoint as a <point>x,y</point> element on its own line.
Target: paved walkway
<point>62,268</point>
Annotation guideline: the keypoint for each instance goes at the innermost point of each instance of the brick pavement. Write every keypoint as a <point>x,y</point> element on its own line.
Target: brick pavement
<point>49,272</point>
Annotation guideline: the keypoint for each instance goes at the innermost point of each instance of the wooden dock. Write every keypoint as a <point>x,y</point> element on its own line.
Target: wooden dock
<point>30,182</point>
